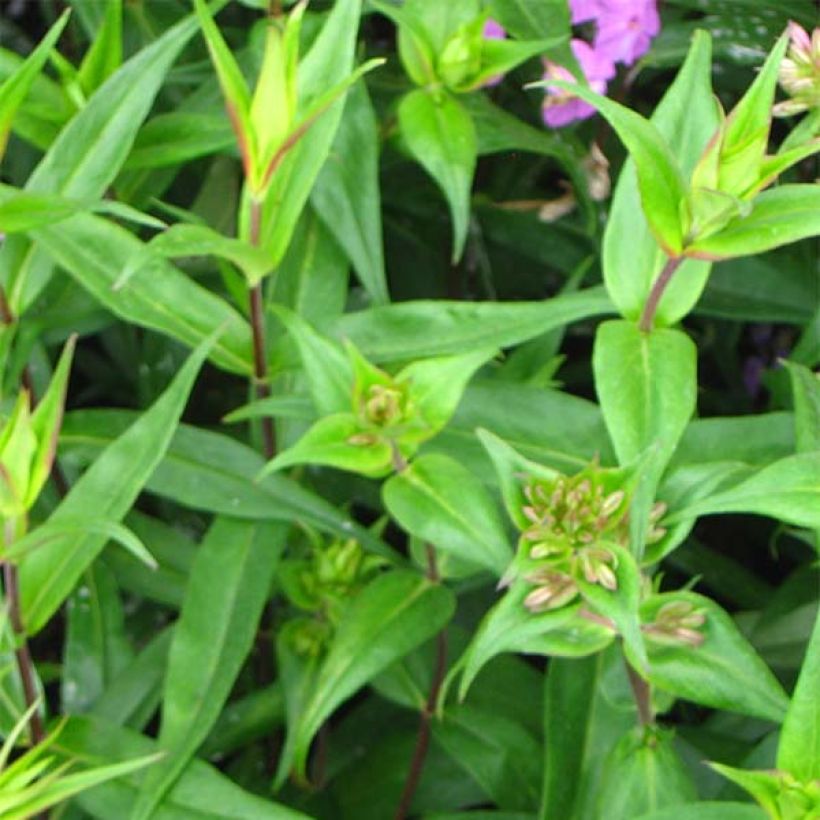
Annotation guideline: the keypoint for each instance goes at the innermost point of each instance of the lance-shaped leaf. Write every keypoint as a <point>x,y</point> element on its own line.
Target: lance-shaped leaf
<point>806,390</point>
<point>441,136</point>
<point>777,217</point>
<point>104,55</point>
<point>660,180</point>
<point>788,489</point>
<point>106,490</point>
<point>510,627</point>
<point>415,46</point>
<point>686,117</point>
<point>199,240</point>
<point>718,669</point>
<point>234,87</point>
<point>393,615</point>
<point>13,91</point>
<point>799,749</point>
<point>777,793</point>
<point>439,501</point>
<point>227,589</point>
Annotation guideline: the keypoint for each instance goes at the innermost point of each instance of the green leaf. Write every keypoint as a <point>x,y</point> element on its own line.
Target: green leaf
<point>806,390</point>
<point>391,616</point>
<point>202,791</point>
<point>660,179</point>
<point>346,195</point>
<point>799,749</point>
<point>500,56</point>
<point>334,441</point>
<point>647,386</point>
<point>89,152</point>
<point>436,385</point>
<point>570,691</point>
<point>421,328</point>
<point>643,773</point>
<point>788,489</point>
<point>199,240</point>
<point>15,87</point>
<point>214,473</point>
<point>532,19</point>
<point>437,500</point>
<point>707,811</point>
<point>234,88</point>
<point>686,117</point>
<point>510,627</point>
<point>723,672</point>
<point>440,135</point>
<point>778,216</point>
<point>94,251</point>
<point>104,56</point>
<point>96,647</point>
<point>21,211</point>
<point>499,754</point>
<point>329,59</point>
<point>229,584</point>
<point>107,489</point>
<point>328,370</point>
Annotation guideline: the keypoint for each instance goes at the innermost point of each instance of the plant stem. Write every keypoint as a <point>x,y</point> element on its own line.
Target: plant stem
<point>260,361</point>
<point>25,664</point>
<point>423,736</point>
<point>642,694</point>
<point>651,306</point>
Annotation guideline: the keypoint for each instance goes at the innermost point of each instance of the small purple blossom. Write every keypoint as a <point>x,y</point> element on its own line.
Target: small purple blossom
<point>493,30</point>
<point>561,106</point>
<point>626,28</point>
<point>584,10</point>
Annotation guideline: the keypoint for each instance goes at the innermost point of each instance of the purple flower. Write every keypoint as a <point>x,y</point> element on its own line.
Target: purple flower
<point>561,106</point>
<point>626,28</point>
<point>494,30</point>
<point>584,10</point>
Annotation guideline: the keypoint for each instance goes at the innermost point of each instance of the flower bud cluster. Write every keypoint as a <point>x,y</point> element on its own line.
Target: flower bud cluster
<point>677,622</point>
<point>800,72</point>
<point>574,523</point>
<point>322,584</point>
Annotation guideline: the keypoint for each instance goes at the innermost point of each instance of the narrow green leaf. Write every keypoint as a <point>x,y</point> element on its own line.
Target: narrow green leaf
<point>229,584</point>
<point>438,501</point>
<point>799,749</point>
<point>202,791</point>
<point>660,179</point>
<point>104,56</point>
<point>532,19</point>
<point>15,87</point>
<point>788,489</point>
<point>392,615</point>
<point>778,217</point>
<point>441,136</point>
<point>413,330</point>
<point>346,195</point>
<point>108,489</point>
<point>686,117</point>
<point>21,211</point>
<point>723,671</point>
<point>806,390</point>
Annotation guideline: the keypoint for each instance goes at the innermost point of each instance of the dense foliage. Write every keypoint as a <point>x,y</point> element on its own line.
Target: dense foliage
<point>365,453</point>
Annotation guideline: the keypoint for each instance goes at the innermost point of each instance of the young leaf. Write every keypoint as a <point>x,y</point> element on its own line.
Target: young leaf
<point>229,584</point>
<point>723,671</point>
<point>15,88</point>
<point>441,136</point>
<point>104,56</point>
<point>686,117</point>
<point>778,217</point>
<point>440,502</point>
<point>107,489</point>
<point>660,180</point>
<point>391,616</point>
<point>788,489</point>
<point>798,752</point>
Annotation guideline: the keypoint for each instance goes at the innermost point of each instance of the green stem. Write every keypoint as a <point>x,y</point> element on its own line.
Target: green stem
<point>658,288</point>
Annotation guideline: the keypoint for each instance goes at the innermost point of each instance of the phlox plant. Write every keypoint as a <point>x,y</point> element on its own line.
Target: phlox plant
<point>409,409</point>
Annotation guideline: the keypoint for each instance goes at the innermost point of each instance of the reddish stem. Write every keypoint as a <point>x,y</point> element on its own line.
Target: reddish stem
<point>658,288</point>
